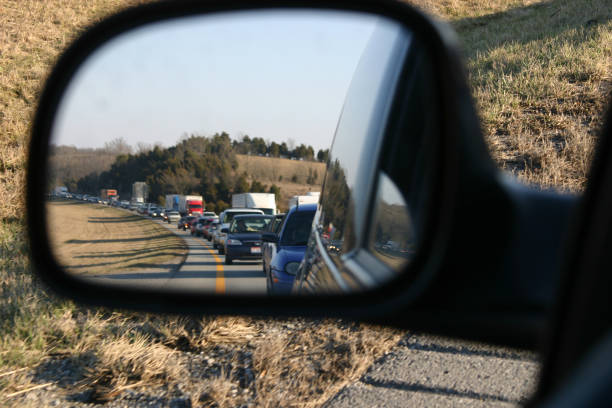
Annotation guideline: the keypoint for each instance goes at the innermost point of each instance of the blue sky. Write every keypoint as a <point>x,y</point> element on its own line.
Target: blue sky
<point>278,75</point>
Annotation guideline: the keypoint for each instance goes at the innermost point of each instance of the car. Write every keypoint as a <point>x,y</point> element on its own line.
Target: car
<point>196,226</point>
<point>154,212</point>
<point>244,237</point>
<point>173,216</point>
<point>206,226</point>
<point>290,245</point>
<point>212,230</point>
<point>268,248</point>
<point>199,228</point>
<point>416,227</point>
<point>225,218</point>
<point>216,233</point>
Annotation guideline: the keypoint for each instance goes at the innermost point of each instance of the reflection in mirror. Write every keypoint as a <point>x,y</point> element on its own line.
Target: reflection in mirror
<point>392,238</point>
<point>166,128</point>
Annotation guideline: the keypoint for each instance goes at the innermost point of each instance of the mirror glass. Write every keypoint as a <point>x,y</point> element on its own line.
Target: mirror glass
<point>178,144</point>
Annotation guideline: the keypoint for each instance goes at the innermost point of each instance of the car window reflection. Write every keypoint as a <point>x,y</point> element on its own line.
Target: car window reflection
<point>392,237</point>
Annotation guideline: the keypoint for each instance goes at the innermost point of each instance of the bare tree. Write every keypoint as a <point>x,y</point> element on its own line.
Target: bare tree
<point>142,147</point>
<point>118,146</point>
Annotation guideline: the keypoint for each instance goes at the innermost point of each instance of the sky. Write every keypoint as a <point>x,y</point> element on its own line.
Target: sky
<point>278,75</point>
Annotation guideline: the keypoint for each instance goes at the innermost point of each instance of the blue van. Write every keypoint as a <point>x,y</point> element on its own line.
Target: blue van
<point>291,246</point>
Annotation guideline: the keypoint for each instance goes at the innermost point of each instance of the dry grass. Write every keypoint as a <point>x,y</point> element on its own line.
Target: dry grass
<point>221,362</point>
<point>540,73</point>
<point>96,239</point>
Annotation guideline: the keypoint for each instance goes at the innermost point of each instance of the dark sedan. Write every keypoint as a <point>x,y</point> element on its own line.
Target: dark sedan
<point>244,237</point>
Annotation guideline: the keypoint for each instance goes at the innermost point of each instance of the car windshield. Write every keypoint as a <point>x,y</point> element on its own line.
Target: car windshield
<point>229,217</point>
<point>249,224</point>
<point>297,228</point>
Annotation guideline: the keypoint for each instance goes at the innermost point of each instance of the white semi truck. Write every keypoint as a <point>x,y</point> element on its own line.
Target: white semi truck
<point>265,202</point>
<point>140,192</point>
<point>309,198</point>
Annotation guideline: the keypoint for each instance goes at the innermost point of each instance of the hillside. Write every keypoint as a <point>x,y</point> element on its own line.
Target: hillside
<point>540,72</point>
<point>290,175</point>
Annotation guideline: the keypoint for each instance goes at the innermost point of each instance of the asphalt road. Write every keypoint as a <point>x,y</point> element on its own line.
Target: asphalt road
<point>203,271</point>
<point>429,371</point>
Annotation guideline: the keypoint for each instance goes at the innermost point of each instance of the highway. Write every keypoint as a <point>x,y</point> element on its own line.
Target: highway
<point>202,271</point>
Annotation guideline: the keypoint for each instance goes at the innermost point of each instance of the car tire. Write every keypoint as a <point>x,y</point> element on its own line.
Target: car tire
<point>228,260</point>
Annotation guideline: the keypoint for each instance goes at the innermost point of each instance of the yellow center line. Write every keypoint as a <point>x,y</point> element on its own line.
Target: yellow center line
<point>220,279</point>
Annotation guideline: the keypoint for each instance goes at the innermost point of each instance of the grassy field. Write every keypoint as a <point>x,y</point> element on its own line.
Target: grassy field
<point>540,72</point>
<point>91,239</point>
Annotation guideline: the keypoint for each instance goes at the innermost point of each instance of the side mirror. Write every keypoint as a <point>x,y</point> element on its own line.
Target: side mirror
<point>224,230</point>
<point>269,237</point>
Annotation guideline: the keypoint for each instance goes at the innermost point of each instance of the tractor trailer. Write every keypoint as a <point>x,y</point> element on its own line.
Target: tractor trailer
<point>190,204</point>
<point>265,202</point>
<point>172,202</point>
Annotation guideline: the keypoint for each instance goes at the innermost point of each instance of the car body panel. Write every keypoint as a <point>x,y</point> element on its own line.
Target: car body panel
<point>288,250</point>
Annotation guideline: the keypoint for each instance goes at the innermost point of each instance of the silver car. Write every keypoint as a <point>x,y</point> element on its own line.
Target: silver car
<point>173,216</point>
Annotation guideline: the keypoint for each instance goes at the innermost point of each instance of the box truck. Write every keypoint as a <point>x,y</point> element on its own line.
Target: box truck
<point>172,202</point>
<point>108,194</point>
<point>190,205</point>
<point>310,198</point>
<point>60,191</point>
<point>265,202</point>
<point>140,192</point>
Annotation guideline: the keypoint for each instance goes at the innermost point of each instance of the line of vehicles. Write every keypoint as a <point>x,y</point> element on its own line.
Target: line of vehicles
<point>244,233</point>
<point>251,230</point>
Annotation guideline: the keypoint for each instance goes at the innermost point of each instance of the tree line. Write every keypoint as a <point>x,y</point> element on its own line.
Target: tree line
<point>195,165</point>
<point>259,146</point>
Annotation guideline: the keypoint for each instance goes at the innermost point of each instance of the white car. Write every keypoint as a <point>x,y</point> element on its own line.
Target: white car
<point>173,216</point>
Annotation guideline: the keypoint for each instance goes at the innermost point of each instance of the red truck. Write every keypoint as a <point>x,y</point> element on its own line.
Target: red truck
<point>108,194</point>
<point>191,205</point>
